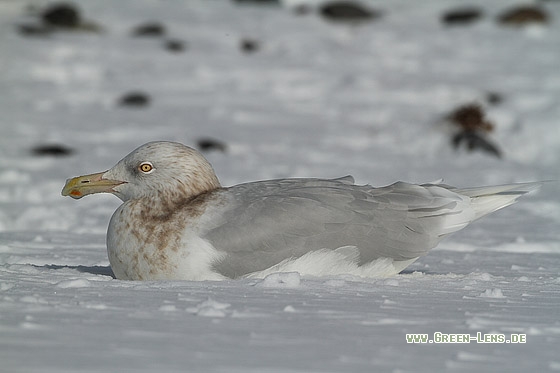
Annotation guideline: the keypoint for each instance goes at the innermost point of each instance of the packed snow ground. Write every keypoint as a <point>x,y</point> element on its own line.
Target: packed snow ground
<point>317,99</point>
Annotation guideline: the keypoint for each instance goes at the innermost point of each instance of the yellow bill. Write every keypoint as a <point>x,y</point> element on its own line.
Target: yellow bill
<point>80,186</point>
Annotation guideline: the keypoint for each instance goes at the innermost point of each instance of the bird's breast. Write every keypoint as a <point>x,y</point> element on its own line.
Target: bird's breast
<point>147,247</point>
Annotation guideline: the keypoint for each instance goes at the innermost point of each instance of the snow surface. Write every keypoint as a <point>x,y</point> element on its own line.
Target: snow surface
<point>317,99</point>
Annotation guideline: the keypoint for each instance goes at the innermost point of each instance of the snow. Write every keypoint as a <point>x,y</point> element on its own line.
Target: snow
<point>492,293</point>
<point>317,99</point>
<point>281,280</point>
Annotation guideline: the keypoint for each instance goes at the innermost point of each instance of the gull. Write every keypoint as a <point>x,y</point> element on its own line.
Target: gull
<point>178,223</point>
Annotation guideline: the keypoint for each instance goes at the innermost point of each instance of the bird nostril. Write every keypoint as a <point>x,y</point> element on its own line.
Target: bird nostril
<point>84,181</point>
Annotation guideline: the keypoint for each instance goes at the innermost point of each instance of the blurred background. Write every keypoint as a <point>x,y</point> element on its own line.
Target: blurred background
<point>382,90</point>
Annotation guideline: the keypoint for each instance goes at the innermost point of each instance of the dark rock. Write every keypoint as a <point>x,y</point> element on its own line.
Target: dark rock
<point>135,99</point>
<point>63,15</point>
<point>494,98</point>
<point>347,11</point>
<point>54,150</point>
<point>151,29</point>
<point>461,16</point>
<point>208,144</point>
<point>57,17</point>
<point>475,141</point>
<point>524,15</point>
<point>470,118</point>
<point>175,46</point>
<point>473,128</point>
<point>249,45</point>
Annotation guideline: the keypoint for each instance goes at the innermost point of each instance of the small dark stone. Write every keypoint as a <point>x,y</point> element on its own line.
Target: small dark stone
<point>461,16</point>
<point>472,129</point>
<point>249,45</point>
<point>475,141</point>
<point>135,99</point>
<point>347,11</point>
<point>208,144</point>
<point>63,15</point>
<point>54,150</point>
<point>152,29</point>
<point>174,45</point>
<point>494,98</point>
<point>524,15</point>
<point>470,118</point>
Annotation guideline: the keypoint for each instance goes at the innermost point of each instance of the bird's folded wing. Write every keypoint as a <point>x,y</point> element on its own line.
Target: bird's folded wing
<point>269,221</point>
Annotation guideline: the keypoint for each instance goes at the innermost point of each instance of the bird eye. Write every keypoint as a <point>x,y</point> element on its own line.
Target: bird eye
<point>146,167</point>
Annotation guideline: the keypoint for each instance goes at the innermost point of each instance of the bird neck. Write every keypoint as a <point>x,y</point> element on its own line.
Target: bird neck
<point>166,208</point>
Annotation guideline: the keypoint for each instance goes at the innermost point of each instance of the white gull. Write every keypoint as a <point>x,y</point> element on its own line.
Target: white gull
<point>178,222</point>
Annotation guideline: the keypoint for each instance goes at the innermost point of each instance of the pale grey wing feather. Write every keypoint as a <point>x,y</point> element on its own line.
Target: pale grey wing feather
<point>269,221</point>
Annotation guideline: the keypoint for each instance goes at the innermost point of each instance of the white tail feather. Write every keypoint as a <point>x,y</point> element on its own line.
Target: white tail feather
<point>485,200</point>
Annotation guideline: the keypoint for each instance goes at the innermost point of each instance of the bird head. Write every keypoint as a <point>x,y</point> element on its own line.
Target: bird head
<point>154,170</point>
